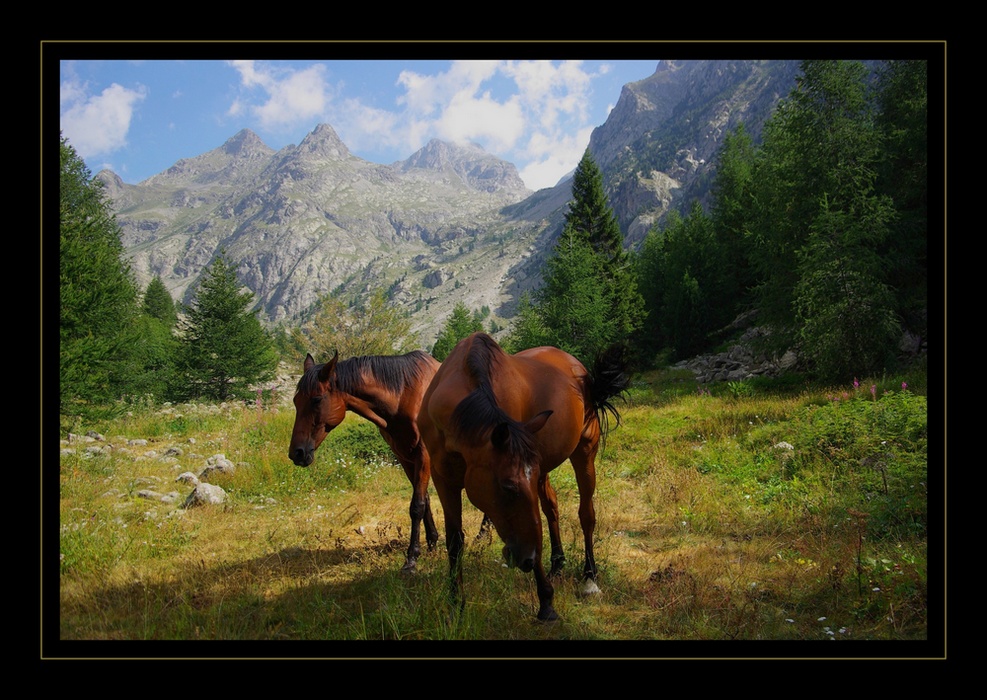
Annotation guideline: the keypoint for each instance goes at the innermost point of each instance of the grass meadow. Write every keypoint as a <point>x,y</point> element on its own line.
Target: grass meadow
<point>758,511</point>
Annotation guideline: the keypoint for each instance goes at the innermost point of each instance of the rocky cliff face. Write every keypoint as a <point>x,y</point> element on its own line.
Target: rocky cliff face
<point>658,148</point>
<point>450,223</point>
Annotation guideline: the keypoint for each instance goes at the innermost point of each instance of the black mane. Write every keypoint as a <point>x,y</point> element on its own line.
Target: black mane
<point>394,372</point>
<point>478,414</point>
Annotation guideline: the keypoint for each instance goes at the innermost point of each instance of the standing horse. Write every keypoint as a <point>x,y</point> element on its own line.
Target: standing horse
<point>387,391</point>
<point>483,420</point>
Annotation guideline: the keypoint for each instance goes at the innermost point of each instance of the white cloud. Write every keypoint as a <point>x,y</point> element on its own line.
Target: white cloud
<point>97,124</point>
<point>364,127</point>
<point>427,94</point>
<point>497,126</point>
<point>550,157</point>
<point>292,97</point>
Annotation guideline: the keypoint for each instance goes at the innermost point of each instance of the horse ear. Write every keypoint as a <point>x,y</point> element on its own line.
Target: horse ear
<point>538,422</point>
<point>309,362</point>
<point>327,368</point>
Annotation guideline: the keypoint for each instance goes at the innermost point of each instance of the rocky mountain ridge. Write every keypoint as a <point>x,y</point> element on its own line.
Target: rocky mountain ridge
<point>450,223</point>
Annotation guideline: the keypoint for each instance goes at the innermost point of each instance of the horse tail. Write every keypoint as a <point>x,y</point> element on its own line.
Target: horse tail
<point>608,380</point>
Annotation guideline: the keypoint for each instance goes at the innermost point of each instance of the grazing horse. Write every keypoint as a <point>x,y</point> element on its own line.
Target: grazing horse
<point>387,391</point>
<point>496,425</point>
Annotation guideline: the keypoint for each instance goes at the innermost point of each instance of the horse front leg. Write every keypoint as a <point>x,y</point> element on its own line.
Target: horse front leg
<point>550,507</point>
<point>546,595</point>
<point>451,498</point>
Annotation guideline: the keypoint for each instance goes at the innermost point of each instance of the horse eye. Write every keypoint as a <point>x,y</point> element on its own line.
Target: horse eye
<point>510,487</point>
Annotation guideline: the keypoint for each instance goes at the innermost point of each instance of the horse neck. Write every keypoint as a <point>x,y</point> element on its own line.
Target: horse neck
<point>368,399</point>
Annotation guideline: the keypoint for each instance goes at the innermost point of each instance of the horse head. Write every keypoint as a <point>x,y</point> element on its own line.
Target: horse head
<point>502,480</point>
<point>318,409</point>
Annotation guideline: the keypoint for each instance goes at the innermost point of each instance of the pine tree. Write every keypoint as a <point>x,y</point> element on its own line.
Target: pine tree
<point>573,302</point>
<point>731,214</point>
<point>527,329</point>
<point>458,326</point>
<point>590,214</point>
<point>159,304</point>
<point>224,349</point>
<point>156,347</point>
<point>589,297</point>
<point>97,295</point>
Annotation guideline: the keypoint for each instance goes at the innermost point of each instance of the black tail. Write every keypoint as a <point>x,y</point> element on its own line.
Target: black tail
<point>608,380</point>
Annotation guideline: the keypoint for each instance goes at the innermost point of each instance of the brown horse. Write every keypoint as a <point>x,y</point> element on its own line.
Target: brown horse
<point>496,425</point>
<point>387,391</point>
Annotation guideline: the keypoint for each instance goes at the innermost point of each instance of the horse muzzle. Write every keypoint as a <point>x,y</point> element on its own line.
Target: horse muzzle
<point>301,456</point>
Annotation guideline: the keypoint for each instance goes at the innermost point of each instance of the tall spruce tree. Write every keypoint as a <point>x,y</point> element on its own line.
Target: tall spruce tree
<point>731,214</point>
<point>97,295</point>
<point>224,349</point>
<point>589,297</point>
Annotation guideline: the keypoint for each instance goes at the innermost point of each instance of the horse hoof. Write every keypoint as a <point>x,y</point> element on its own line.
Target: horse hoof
<point>589,588</point>
<point>548,615</point>
<point>409,568</point>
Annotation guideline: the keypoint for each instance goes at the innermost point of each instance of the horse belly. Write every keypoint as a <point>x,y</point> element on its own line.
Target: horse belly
<point>556,442</point>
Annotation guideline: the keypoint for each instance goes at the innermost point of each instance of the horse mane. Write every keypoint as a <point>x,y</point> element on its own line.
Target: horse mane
<point>478,414</point>
<point>394,372</point>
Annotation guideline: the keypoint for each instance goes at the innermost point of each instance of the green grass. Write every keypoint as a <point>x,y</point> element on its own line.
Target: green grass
<point>777,512</point>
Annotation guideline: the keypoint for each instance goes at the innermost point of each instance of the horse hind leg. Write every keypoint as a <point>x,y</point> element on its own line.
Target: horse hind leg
<point>583,462</point>
<point>419,510</point>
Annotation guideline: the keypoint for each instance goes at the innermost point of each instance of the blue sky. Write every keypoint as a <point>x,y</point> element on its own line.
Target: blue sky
<point>138,118</point>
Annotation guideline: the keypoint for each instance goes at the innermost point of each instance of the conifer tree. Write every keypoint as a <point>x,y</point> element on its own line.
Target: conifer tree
<point>224,349</point>
<point>97,294</point>
<point>156,346</point>
<point>589,297</point>
<point>527,329</point>
<point>159,304</point>
<point>458,326</point>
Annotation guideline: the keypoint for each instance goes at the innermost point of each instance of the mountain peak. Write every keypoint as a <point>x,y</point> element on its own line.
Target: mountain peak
<point>245,142</point>
<point>324,141</point>
<point>477,168</point>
